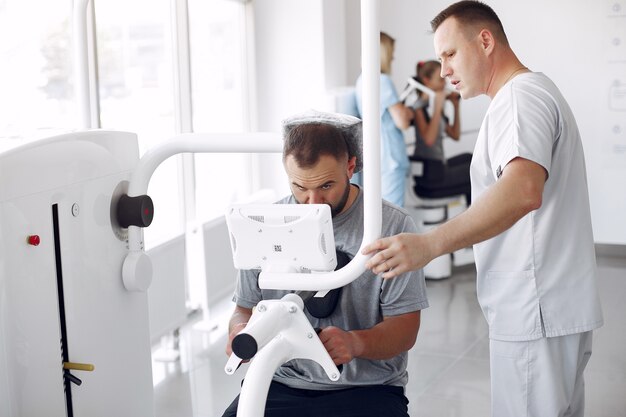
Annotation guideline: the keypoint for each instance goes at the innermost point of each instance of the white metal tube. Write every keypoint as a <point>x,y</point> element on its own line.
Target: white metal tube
<point>372,216</point>
<point>199,142</point>
<point>81,62</point>
<point>317,281</point>
<point>370,50</point>
<point>182,67</point>
<point>259,376</point>
<point>183,108</point>
<point>270,319</point>
<point>192,143</point>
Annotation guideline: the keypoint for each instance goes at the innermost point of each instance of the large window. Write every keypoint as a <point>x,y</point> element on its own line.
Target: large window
<point>136,93</point>
<point>36,92</point>
<point>135,68</point>
<point>218,62</point>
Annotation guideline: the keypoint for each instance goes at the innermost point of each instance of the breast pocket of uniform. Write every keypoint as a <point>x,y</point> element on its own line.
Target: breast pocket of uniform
<point>511,305</point>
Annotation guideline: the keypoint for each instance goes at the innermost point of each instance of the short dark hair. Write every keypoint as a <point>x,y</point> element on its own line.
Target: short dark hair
<point>472,13</point>
<point>307,142</point>
<point>426,69</point>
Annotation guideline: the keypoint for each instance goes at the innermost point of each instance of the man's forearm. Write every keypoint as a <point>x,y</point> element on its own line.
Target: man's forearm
<point>517,193</point>
<point>238,320</point>
<point>388,338</point>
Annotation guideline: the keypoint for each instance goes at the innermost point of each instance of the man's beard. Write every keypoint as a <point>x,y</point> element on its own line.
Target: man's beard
<point>342,202</point>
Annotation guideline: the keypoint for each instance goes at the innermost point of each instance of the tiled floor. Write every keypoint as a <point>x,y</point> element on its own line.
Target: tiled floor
<point>448,366</point>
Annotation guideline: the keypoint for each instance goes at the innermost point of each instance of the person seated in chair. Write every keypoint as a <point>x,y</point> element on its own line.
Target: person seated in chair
<point>372,323</point>
<point>441,177</point>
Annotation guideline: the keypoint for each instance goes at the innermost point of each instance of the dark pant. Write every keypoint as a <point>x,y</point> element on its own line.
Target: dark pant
<point>368,401</point>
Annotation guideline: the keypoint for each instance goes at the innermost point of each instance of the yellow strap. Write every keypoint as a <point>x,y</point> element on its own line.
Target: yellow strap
<point>78,366</point>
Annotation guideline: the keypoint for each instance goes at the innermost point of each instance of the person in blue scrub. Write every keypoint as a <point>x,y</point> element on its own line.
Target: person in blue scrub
<point>394,117</point>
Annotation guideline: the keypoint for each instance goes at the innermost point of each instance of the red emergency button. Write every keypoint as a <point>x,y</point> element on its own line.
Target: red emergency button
<point>34,240</point>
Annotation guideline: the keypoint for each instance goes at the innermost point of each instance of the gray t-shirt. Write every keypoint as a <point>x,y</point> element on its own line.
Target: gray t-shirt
<point>363,304</point>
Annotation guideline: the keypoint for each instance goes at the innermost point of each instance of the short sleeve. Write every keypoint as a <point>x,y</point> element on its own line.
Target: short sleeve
<point>388,94</point>
<point>407,292</point>
<point>247,292</point>
<point>524,123</point>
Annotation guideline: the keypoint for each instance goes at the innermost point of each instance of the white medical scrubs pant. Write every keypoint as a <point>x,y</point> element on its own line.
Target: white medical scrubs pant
<point>539,378</point>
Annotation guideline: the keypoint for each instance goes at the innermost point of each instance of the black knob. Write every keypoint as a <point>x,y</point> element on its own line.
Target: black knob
<point>73,379</point>
<point>244,346</point>
<point>135,211</point>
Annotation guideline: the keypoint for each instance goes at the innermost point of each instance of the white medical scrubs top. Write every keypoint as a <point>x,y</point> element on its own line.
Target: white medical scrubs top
<point>537,278</point>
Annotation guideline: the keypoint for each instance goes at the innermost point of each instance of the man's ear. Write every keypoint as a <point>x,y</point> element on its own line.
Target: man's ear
<point>351,166</point>
<point>487,41</point>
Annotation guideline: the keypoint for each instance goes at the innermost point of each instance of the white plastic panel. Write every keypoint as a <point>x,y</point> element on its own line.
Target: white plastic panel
<point>107,326</point>
<point>29,317</point>
<point>221,274</point>
<point>166,295</point>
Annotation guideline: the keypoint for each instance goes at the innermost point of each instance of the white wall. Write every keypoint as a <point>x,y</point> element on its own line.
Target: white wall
<point>572,41</point>
<point>300,49</point>
<point>335,44</point>
<point>289,69</point>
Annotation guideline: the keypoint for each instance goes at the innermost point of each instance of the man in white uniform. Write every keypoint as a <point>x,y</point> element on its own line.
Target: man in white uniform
<point>529,221</point>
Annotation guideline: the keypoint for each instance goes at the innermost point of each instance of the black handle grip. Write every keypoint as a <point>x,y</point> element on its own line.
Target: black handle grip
<point>135,211</point>
<point>244,346</point>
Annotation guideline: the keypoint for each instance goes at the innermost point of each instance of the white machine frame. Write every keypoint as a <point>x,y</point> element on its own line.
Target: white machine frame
<point>281,332</point>
<point>73,340</point>
<point>94,296</point>
<point>414,85</point>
